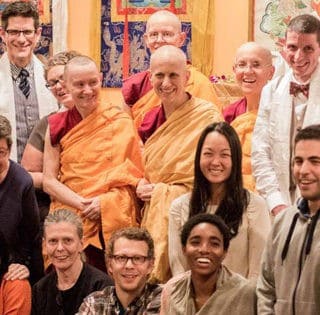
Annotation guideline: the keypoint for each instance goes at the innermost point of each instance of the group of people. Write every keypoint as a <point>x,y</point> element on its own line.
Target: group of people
<point>163,203</point>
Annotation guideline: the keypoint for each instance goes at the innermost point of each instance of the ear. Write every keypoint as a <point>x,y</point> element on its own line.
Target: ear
<point>188,73</point>
<point>225,252</point>
<point>151,265</point>
<point>2,33</point>
<point>271,72</point>
<point>101,77</point>
<point>145,38</point>
<point>109,265</point>
<point>150,77</point>
<point>38,33</point>
<point>182,38</point>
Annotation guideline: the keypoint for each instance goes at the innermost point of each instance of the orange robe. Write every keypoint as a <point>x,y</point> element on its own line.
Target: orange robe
<point>243,125</point>
<point>169,158</point>
<point>100,156</point>
<point>198,85</point>
<point>15,297</point>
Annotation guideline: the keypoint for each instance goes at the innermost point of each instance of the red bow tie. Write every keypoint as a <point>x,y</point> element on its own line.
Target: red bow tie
<point>296,88</point>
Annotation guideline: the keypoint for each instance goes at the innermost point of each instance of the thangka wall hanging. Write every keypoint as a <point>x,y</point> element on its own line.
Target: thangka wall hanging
<point>122,27</point>
<point>44,45</point>
<point>272,17</point>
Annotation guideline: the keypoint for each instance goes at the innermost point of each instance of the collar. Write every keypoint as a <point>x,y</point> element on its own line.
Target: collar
<point>302,205</point>
<point>15,70</point>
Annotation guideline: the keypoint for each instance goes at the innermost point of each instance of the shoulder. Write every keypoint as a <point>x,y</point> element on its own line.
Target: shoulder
<point>97,276</point>
<point>135,86</point>
<point>105,294</point>
<point>182,200</point>
<point>19,173</point>
<point>256,202</point>
<point>16,286</point>
<point>279,83</point>
<point>45,283</point>
<point>231,111</point>
<point>177,281</point>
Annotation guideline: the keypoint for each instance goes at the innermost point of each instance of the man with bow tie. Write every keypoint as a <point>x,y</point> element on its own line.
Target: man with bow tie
<point>287,104</point>
<point>24,97</point>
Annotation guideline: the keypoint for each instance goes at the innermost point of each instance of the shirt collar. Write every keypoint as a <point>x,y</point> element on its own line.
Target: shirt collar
<point>15,70</point>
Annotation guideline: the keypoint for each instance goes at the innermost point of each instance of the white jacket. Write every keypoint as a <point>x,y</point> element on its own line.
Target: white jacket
<point>271,137</point>
<point>46,101</point>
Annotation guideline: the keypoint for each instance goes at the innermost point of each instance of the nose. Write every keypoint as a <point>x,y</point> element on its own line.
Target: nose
<point>203,247</point>
<point>298,54</point>
<point>21,37</point>
<point>160,38</point>
<point>166,81</point>
<point>129,263</point>
<point>304,168</point>
<point>60,246</point>
<point>87,89</point>
<point>248,68</point>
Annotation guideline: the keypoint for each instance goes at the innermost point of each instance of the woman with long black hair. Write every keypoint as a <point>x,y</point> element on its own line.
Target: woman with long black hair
<point>218,189</point>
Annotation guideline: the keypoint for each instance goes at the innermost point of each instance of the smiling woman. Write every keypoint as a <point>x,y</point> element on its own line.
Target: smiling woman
<point>218,189</point>
<point>209,287</point>
<point>72,280</point>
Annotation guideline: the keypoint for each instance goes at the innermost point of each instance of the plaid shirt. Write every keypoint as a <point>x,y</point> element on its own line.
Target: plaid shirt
<point>105,302</point>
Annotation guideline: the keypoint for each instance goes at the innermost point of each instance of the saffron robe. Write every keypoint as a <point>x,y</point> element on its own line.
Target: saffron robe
<point>138,92</point>
<point>100,156</point>
<point>244,125</point>
<point>169,158</point>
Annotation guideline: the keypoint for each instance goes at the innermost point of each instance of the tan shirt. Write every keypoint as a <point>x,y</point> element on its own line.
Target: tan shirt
<point>245,249</point>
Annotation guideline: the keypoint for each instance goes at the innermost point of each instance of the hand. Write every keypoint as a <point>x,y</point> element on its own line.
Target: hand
<point>276,210</point>
<point>91,208</point>
<point>17,271</point>
<point>144,189</point>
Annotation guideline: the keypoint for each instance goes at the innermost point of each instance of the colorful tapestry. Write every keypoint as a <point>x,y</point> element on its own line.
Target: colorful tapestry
<point>272,18</point>
<point>43,47</point>
<point>116,15</point>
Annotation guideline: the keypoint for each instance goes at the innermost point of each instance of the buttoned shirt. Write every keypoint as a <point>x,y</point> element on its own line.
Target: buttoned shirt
<point>106,302</point>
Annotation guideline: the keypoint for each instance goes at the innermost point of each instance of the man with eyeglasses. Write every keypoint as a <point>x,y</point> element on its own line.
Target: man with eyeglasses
<point>287,104</point>
<point>163,28</point>
<point>130,261</point>
<point>24,97</point>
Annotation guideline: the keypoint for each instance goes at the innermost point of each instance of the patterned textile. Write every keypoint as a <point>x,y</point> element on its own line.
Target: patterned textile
<point>296,88</point>
<point>24,84</point>
<point>105,302</point>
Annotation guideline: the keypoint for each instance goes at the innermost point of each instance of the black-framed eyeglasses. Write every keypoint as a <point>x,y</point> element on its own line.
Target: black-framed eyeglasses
<point>52,83</point>
<point>136,260</point>
<point>16,33</point>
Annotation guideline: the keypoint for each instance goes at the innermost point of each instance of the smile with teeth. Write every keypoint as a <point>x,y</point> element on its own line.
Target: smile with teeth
<point>203,260</point>
<point>129,276</point>
<point>249,80</point>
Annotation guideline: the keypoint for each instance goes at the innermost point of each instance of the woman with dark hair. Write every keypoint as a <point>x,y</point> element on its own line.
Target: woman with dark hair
<point>218,188</point>
<point>208,287</point>
<point>15,295</point>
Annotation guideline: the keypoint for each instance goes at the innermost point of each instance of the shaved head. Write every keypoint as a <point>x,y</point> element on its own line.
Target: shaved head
<point>264,52</point>
<point>163,28</point>
<point>79,61</point>
<point>167,17</point>
<point>170,54</point>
